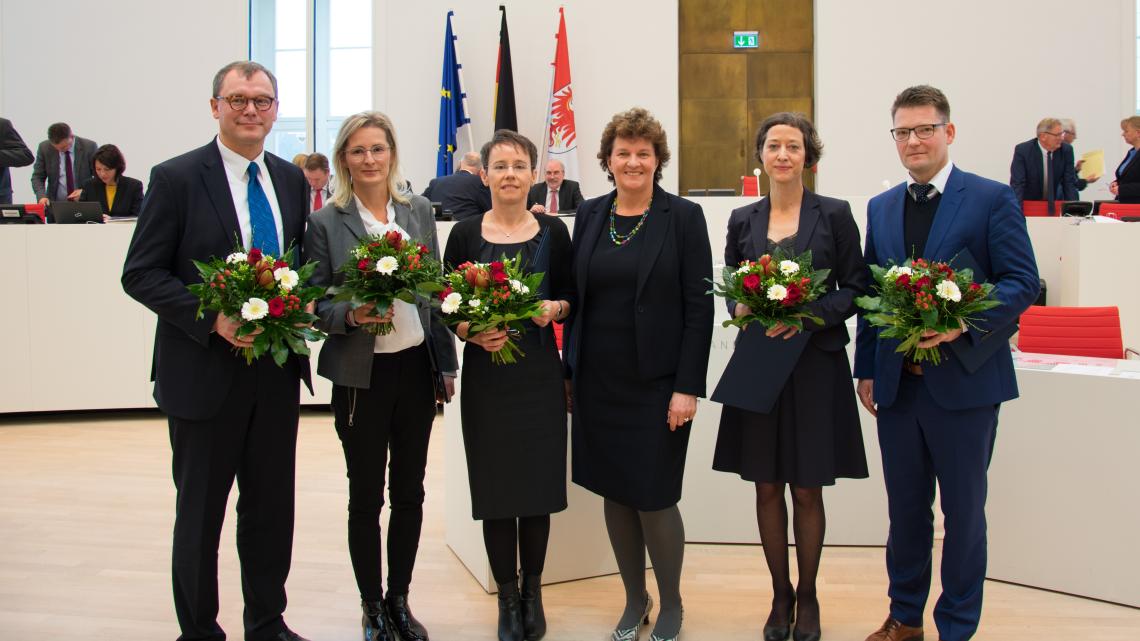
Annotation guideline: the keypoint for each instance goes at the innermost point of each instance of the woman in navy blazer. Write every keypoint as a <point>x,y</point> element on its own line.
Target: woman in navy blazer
<point>790,415</point>
<point>109,168</point>
<point>1126,187</point>
<point>637,351</point>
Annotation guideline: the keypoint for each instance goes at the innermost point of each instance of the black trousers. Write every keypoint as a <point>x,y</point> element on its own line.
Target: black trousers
<point>253,439</point>
<point>393,415</point>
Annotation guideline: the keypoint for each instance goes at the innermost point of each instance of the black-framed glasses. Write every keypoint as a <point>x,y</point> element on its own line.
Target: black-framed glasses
<point>922,132</point>
<point>239,103</point>
<point>356,154</point>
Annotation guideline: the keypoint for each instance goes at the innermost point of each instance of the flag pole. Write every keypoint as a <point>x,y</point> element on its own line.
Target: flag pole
<point>463,95</point>
<point>545,156</point>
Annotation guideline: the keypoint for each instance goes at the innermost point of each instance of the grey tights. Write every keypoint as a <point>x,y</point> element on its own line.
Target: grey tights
<point>662,533</point>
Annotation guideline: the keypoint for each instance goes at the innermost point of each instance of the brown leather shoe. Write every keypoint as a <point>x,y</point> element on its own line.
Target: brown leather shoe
<point>893,630</point>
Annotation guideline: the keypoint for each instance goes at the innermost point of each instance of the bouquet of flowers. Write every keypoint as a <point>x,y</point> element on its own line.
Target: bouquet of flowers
<point>489,295</point>
<point>264,293</point>
<point>777,289</point>
<point>386,268</point>
<point>920,296</point>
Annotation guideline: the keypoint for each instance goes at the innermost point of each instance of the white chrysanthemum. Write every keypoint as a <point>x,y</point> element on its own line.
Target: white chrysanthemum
<point>789,267</point>
<point>743,268</point>
<point>451,303</point>
<point>387,265</point>
<point>286,277</point>
<point>254,309</point>
<point>948,290</point>
<point>236,258</point>
<point>777,292</point>
<point>474,302</point>
<point>518,287</point>
<point>905,270</point>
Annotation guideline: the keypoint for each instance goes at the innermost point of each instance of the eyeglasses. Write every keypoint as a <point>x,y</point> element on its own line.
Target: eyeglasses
<point>1053,133</point>
<point>922,132</point>
<point>518,168</point>
<point>239,103</point>
<point>356,154</point>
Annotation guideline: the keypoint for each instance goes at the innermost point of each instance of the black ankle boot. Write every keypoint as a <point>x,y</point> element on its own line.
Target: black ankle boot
<point>533,618</point>
<point>403,623</point>
<point>510,612</point>
<point>375,621</point>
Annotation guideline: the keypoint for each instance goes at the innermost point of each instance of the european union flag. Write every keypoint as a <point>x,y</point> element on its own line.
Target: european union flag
<point>452,105</point>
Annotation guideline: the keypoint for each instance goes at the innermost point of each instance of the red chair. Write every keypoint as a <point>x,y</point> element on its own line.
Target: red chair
<point>750,185</point>
<point>37,209</point>
<point>1121,210</point>
<point>1072,331</point>
<point>1041,207</point>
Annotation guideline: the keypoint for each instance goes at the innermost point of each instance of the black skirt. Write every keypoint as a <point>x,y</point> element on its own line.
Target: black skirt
<point>810,438</point>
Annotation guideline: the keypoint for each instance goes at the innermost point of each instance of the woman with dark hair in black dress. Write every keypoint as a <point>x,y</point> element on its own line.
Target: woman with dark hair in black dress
<point>514,415</point>
<point>637,352</point>
<point>810,433</point>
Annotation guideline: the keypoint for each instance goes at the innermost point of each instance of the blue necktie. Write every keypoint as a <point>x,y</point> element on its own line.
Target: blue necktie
<point>264,230</point>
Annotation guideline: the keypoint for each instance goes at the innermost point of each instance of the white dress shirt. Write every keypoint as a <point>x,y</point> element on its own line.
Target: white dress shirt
<point>407,331</point>
<point>938,182</point>
<point>237,172</point>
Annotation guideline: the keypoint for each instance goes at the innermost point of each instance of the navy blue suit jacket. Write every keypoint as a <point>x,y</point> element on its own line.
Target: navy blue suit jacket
<point>188,214</point>
<point>979,225</point>
<point>1027,172</point>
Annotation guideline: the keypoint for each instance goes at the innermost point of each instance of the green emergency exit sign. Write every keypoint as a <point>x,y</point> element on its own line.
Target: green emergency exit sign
<point>745,39</point>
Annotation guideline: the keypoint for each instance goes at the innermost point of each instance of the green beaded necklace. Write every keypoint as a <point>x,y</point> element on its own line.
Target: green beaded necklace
<point>623,239</point>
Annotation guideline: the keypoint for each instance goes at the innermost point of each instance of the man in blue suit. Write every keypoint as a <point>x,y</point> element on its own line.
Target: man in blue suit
<point>1043,167</point>
<point>938,422</point>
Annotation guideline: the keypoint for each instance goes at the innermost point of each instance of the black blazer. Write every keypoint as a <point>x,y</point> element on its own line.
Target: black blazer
<point>569,195</point>
<point>462,193</point>
<point>1128,180</point>
<point>13,153</point>
<point>45,171</point>
<point>673,318</point>
<point>128,196</point>
<point>1027,172</point>
<point>189,214</point>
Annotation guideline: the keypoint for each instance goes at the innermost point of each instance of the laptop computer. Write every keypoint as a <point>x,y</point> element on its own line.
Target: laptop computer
<point>64,212</point>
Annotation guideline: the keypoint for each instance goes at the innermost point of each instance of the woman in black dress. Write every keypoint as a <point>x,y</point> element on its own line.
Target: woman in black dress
<point>811,434</point>
<point>637,353</point>
<point>514,415</point>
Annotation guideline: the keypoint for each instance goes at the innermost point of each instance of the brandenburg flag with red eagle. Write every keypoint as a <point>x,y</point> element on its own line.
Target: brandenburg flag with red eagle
<point>561,134</point>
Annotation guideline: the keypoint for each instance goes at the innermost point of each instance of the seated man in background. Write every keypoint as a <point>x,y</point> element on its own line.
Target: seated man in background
<point>462,193</point>
<point>63,163</point>
<point>119,195</point>
<point>1069,135</point>
<point>1042,167</point>
<point>556,193</point>
<point>316,170</point>
<point>13,153</point>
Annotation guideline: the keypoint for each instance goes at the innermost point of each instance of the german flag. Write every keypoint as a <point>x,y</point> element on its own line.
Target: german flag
<point>505,115</point>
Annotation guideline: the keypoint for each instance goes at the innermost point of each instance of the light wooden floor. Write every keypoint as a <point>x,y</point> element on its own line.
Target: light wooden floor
<point>86,506</point>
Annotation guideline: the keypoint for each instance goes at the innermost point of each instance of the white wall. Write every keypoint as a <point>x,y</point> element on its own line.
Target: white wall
<point>988,57</point>
<point>135,73</point>
<point>622,54</point>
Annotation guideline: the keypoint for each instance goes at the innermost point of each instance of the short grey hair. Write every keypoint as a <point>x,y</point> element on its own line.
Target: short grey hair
<point>247,68</point>
<point>1069,125</point>
<point>561,165</point>
<point>471,160</point>
<point>1048,123</point>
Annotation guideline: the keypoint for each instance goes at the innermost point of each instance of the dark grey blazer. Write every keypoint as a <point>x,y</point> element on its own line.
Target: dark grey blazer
<point>346,356</point>
<point>46,168</point>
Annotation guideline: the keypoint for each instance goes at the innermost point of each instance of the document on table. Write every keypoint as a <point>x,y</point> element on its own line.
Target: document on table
<point>1089,370</point>
<point>1093,164</point>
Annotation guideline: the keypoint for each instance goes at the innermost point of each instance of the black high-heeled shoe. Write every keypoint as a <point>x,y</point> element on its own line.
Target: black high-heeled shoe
<point>375,621</point>
<point>533,616</point>
<point>800,635</point>
<point>782,632</point>
<point>510,612</point>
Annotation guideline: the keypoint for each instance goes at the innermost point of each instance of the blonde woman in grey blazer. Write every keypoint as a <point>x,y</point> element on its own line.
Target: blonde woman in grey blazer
<point>384,390</point>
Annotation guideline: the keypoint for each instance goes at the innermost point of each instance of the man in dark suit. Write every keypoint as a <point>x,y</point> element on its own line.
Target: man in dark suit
<point>317,174</point>
<point>938,422</point>
<point>13,153</point>
<point>556,193</point>
<point>463,193</point>
<point>1042,167</point>
<point>1069,135</point>
<point>227,419</point>
<point>63,163</point>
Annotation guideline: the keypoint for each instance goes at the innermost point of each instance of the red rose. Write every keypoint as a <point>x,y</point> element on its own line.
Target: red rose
<point>276,307</point>
<point>424,250</point>
<point>279,264</point>
<point>751,283</point>
<point>794,295</point>
<point>445,292</point>
<point>254,256</point>
<point>903,280</point>
<point>496,266</point>
<point>395,240</point>
<point>922,283</point>
<point>500,277</point>
<point>362,265</point>
<point>975,287</point>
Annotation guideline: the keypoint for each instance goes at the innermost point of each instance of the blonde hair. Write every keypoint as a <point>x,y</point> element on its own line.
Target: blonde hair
<point>342,191</point>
